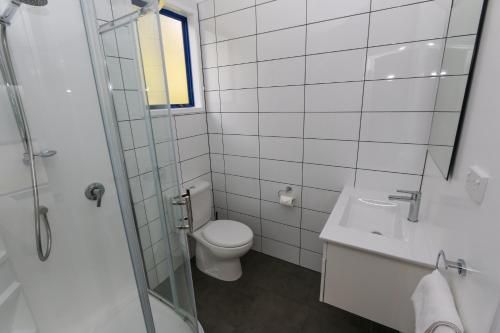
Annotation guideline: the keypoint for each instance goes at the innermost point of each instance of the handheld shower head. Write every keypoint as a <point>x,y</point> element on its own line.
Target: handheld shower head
<point>34,2</point>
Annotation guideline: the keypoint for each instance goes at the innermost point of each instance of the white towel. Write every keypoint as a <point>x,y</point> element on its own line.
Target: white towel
<point>435,310</point>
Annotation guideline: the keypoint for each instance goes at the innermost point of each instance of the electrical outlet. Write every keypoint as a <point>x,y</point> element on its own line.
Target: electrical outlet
<point>476,183</point>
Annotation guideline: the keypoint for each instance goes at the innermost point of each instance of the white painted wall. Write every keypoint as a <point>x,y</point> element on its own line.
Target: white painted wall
<point>474,230</point>
<point>89,272</point>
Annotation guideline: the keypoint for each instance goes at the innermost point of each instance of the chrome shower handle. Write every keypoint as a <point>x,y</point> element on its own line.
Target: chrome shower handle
<point>95,191</point>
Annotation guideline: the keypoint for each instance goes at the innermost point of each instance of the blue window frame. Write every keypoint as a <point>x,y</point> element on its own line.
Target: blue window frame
<point>187,57</point>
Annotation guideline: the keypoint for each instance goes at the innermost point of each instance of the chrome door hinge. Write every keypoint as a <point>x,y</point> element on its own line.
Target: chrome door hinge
<point>185,200</point>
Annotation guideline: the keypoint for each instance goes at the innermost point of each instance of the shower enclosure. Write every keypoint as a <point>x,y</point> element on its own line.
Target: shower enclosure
<point>77,85</point>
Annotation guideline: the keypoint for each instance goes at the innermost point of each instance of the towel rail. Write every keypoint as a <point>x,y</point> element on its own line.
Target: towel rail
<point>459,265</point>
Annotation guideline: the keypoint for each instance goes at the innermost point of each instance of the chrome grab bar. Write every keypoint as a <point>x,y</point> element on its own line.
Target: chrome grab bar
<point>185,200</point>
<point>15,100</point>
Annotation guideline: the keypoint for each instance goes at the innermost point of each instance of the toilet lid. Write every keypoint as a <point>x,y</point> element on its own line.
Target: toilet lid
<point>227,233</point>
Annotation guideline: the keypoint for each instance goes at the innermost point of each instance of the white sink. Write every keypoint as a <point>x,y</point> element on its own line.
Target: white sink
<point>378,217</point>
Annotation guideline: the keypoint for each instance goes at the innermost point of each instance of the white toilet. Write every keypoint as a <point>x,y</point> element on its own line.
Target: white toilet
<point>219,244</point>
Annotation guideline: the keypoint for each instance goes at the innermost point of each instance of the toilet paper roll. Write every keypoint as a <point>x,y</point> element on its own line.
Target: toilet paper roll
<point>287,199</point>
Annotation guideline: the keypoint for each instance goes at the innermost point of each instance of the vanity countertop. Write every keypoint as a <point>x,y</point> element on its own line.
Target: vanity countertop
<point>417,243</point>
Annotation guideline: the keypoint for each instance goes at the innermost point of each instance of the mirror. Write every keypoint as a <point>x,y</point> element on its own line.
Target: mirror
<point>455,78</point>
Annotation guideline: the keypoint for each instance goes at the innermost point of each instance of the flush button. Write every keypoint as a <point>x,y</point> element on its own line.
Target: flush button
<point>476,183</point>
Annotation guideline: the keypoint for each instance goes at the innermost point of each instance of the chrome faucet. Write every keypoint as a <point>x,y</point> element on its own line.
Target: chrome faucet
<point>414,200</point>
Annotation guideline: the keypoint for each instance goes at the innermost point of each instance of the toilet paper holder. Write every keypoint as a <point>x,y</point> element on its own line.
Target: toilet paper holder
<point>288,189</point>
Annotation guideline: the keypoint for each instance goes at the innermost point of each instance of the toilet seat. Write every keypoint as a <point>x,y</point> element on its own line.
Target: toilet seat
<point>227,234</point>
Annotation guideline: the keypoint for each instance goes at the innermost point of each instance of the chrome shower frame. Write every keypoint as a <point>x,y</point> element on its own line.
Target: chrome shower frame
<point>15,99</point>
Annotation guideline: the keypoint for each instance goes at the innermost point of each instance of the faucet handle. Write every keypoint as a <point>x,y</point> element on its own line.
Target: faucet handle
<point>415,194</point>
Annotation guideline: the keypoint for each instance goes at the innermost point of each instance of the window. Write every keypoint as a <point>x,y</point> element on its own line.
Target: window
<point>175,39</point>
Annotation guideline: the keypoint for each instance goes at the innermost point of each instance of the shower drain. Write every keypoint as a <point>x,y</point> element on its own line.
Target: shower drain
<point>377,233</point>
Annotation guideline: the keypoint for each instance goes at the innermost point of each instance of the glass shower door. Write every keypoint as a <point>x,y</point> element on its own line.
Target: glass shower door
<point>134,62</point>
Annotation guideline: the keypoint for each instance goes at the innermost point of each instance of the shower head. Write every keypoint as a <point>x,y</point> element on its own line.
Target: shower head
<point>34,2</point>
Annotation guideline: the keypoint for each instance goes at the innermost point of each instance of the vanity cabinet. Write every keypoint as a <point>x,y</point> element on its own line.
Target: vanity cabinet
<point>370,285</point>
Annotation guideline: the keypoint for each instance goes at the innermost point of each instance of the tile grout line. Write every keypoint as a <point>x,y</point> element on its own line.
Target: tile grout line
<point>363,95</point>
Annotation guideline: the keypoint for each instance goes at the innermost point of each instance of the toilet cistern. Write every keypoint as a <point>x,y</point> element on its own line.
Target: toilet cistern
<point>414,200</point>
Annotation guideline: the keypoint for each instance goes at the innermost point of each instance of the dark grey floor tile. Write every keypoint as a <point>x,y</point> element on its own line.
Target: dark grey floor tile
<point>272,296</point>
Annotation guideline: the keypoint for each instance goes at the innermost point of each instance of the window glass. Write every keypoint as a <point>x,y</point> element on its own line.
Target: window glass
<point>175,40</point>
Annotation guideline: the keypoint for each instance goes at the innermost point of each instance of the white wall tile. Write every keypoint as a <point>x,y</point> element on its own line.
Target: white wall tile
<point>114,72</point>
<point>280,14</point>
<point>248,187</point>
<point>139,133</point>
<point>193,146</point>
<point>242,166</point>
<point>251,221</point>
<point>281,232</point>
<point>147,185</point>
<point>236,24</point>
<point>387,181</point>
<point>400,127</point>
<point>131,163</point>
<point>143,159</point>
<point>281,72</point>
<point>341,126</point>
<point>135,189</point>
<point>281,124</point>
<point>458,55</point>
<point>382,4</point>
<point>283,172</point>
<point>280,250</point>
<point>404,158</point>
<point>336,67</point>
<point>287,149</point>
<point>257,243</point>
<point>269,191</point>
<point>226,6</point>
<point>319,10</point>
<point>216,144</point>
<point>206,9</point>
<point>313,220</point>
<point>126,135</point>
<point>405,60</point>
<point>279,213</point>
<point>207,31</point>
<point>220,199</point>
<point>103,10</point>
<point>319,200</point>
<point>451,93</point>
<point>444,128</point>
<point>341,34</point>
<point>465,17</point>
<point>311,260</point>
<point>237,51</point>
<point>135,108</point>
<point>425,20</point>
<point>282,43</point>
<point>244,100</point>
<point>331,152</point>
<point>310,241</point>
<point>217,161</point>
<point>214,122</point>
<point>241,145</point>
<point>328,177</point>
<point>212,101</point>
<point>240,123</point>
<point>238,76</point>
<point>195,167</point>
<point>209,55</point>
<point>400,95</point>
<point>243,205</point>
<point>211,79</point>
<point>334,97</point>
<point>190,125</point>
<point>281,99</point>
<point>219,181</point>
<point>162,130</point>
